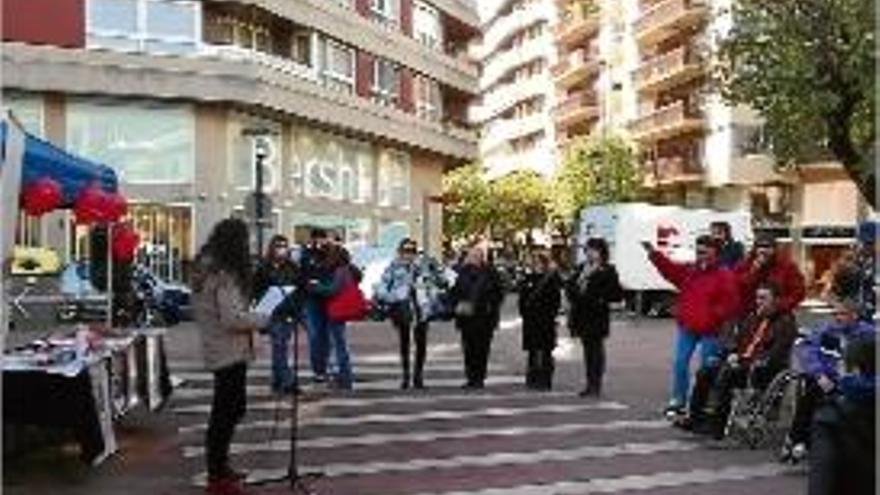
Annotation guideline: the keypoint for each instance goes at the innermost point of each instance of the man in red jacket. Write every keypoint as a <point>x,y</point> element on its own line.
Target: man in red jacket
<point>708,298</point>
<point>766,264</point>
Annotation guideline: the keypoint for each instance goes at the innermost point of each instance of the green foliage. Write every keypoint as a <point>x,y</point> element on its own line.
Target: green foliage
<point>520,201</point>
<point>501,208</point>
<point>595,171</point>
<point>468,210</point>
<point>808,67</point>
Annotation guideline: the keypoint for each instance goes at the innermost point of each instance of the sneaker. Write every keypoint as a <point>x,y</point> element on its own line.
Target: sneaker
<point>798,453</point>
<point>673,411</point>
<point>224,486</point>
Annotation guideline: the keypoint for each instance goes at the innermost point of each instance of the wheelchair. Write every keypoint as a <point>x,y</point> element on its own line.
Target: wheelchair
<point>762,418</point>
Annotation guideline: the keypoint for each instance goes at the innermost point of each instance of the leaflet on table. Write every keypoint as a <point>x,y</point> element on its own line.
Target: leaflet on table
<point>69,368</point>
<point>272,298</point>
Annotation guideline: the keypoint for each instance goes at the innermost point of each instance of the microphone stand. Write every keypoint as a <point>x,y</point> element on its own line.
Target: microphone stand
<point>299,482</point>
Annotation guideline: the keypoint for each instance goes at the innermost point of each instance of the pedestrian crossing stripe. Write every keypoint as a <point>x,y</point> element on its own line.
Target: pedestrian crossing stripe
<point>423,436</point>
<point>266,372</point>
<point>480,461</point>
<point>189,393</point>
<point>639,482</point>
<point>443,415</point>
<point>364,402</point>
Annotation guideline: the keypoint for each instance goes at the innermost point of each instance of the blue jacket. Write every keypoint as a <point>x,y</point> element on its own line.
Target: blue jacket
<point>821,352</point>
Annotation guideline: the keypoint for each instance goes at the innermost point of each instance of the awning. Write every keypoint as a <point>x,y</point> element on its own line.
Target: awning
<point>73,173</point>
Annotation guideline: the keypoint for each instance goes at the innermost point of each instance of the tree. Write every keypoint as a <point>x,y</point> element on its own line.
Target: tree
<point>595,170</point>
<point>519,201</point>
<point>468,211</point>
<point>808,67</point>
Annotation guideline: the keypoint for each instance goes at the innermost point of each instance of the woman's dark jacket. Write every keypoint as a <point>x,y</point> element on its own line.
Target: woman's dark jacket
<point>540,296</point>
<point>482,287</point>
<point>589,316</point>
<point>281,273</point>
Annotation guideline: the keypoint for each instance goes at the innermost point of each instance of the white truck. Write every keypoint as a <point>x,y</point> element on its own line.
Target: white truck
<point>672,229</point>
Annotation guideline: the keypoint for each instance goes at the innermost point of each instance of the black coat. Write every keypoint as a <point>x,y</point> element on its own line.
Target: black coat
<point>589,317</point>
<point>280,273</point>
<point>539,300</point>
<point>482,287</point>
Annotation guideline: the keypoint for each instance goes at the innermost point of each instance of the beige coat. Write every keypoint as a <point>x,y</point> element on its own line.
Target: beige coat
<point>227,326</point>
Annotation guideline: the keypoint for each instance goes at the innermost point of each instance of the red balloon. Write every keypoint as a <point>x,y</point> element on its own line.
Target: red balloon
<point>124,243</point>
<point>41,196</point>
<point>115,205</point>
<point>91,205</point>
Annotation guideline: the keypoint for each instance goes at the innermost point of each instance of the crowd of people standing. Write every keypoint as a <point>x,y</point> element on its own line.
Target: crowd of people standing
<point>737,308</point>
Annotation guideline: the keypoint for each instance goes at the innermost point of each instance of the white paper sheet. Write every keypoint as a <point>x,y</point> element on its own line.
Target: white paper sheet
<point>271,299</point>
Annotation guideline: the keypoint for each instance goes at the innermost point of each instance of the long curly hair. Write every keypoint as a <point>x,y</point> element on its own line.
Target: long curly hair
<point>228,249</point>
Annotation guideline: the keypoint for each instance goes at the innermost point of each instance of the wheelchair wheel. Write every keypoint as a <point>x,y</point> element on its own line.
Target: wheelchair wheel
<point>777,407</point>
<point>745,424</point>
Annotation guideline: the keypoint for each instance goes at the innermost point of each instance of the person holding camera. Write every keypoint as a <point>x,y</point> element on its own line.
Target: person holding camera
<point>766,263</point>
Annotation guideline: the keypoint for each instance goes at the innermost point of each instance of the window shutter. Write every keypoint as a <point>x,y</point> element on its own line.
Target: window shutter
<point>364,74</point>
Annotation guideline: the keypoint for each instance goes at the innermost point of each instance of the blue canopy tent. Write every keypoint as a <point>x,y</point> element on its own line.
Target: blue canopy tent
<point>73,173</point>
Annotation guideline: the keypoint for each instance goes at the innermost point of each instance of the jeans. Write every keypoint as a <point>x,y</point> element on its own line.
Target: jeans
<point>686,343</point>
<point>279,333</point>
<point>539,369</point>
<point>227,409</point>
<point>317,327</point>
<point>336,331</point>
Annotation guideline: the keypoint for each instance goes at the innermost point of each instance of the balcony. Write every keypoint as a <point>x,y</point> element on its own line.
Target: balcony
<point>577,108</point>
<point>669,70</point>
<point>663,19</point>
<point>672,170</point>
<point>672,120</point>
<point>579,66</point>
<point>579,22</point>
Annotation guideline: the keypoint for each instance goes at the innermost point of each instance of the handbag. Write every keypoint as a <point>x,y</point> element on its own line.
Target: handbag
<point>349,304</point>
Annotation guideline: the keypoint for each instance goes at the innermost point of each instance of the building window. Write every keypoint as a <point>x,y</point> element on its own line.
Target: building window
<point>386,81</point>
<point>427,28</point>
<point>148,143</point>
<point>385,11</point>
<point>394,174</point>
<point>336,65</point>
<point>428,102</point>
<point>158,26</point>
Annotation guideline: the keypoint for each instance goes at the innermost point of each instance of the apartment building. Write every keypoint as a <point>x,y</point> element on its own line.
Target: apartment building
<point>641,68</point>
<point>578,69</point>
<point>515,108</point>
<point>362,105</point>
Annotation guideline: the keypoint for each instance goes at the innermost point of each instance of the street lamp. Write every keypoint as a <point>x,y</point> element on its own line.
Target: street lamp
<point>259,203</point>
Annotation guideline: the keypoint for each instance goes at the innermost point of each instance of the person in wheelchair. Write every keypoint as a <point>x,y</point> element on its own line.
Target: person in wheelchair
<point>820,358</point>
<point>754,352</point>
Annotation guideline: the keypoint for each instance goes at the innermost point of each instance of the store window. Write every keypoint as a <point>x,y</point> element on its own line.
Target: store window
<point>429,103</point>
<point>427,27</point>
<point>166,233</point>
<point>145,143</point>
<point>351,231</point>
<point>331,167</point>
<point>394,174</point>
<point>28,109</point>
<point>159,26</point>
<point>336,65</point>
<point>391,232</point>
<point>386,81</point>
